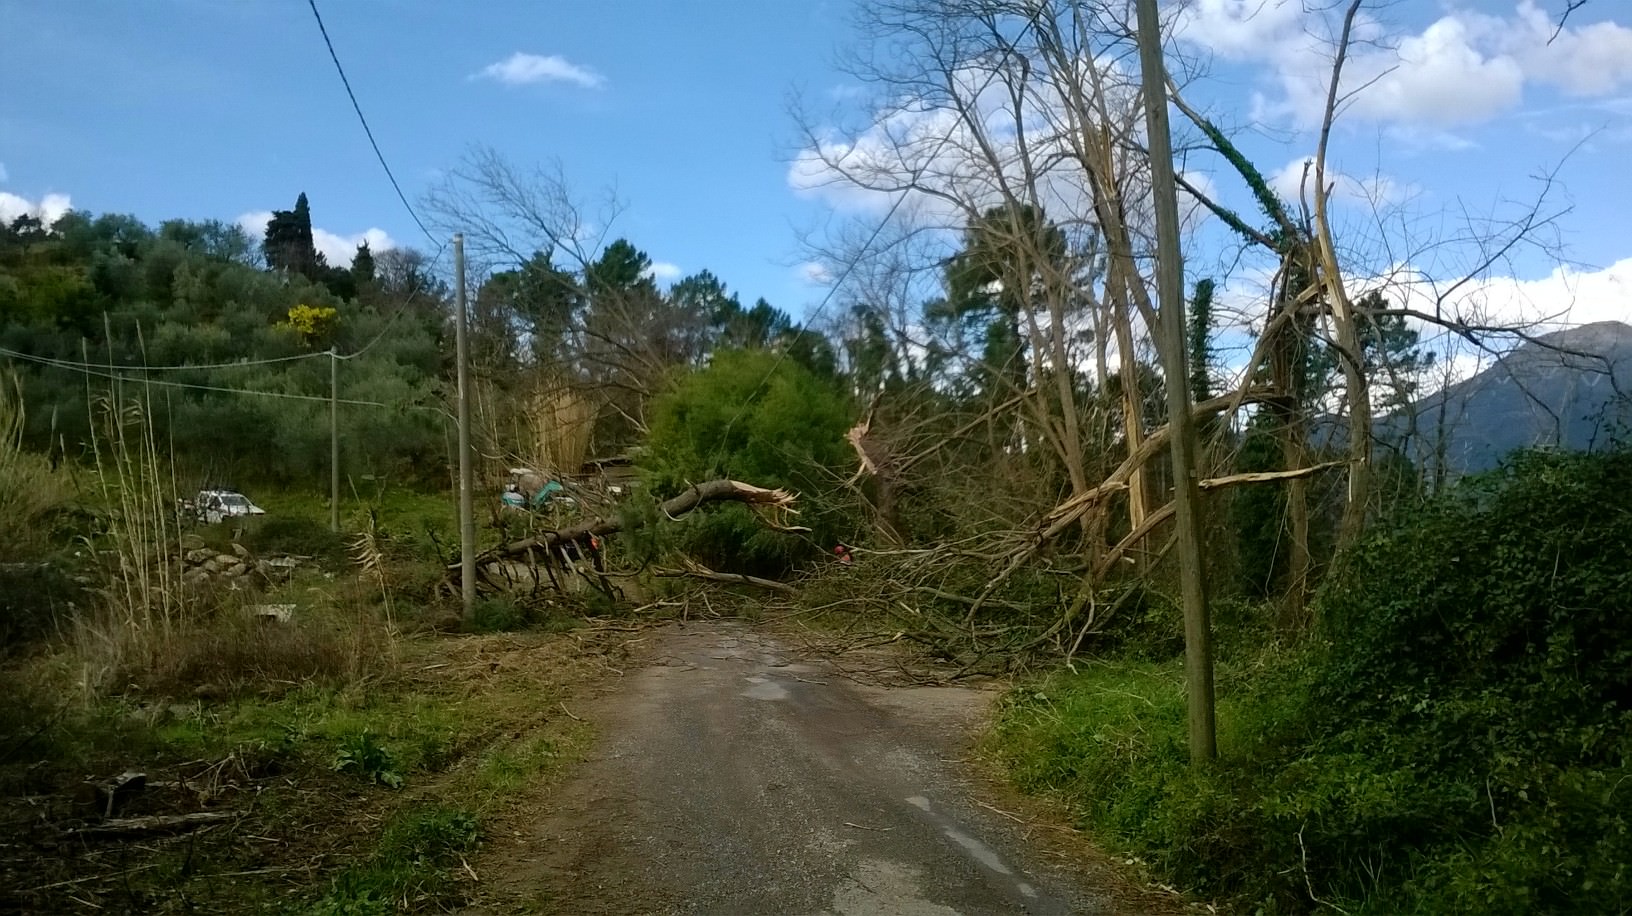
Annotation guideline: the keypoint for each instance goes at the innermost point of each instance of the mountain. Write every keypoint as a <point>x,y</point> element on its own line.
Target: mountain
<point>1570,389</point>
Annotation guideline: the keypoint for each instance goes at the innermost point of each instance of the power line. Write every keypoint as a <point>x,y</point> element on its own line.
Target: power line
<point>101,372</point>
<point>366,129</point>
<point>402,309</point>
<point>67,363</point>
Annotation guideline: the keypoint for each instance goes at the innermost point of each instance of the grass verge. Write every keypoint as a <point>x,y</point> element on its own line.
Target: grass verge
<point>362,796</point>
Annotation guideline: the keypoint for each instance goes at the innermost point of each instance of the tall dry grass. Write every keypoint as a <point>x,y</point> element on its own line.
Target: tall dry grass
<point>155,632</point>
<point>560,423</point>
<point>35,595</point>
<point>31,490</point>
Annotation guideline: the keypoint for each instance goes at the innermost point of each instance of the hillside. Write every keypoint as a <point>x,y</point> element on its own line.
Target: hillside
<point>1570,389</point>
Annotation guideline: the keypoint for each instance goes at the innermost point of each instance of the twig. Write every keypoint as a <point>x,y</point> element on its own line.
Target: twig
<point>1565,17</point>
<point>569,713</point>
<point>1309,884</point>
<point>865,827</point>
<point>72,881</point>
<point>1013,817</point>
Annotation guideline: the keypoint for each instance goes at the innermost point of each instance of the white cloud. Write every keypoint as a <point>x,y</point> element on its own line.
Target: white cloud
<point>340,249</point>
<point>925,150</point>
<point>336,248</point>
<point>1566,297</point>
<point>522,69</point>
<point>47,209</point>
<point>814,273</point>
<point>1463,68</point>
<point>1442,77</point>
<point>664,272</point>
<point>1239,28</point>
<point>1590,60</point>
<point>254,222</point>
<point>1295,182</point>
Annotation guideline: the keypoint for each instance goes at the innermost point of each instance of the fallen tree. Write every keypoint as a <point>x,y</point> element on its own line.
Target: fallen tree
<point>529,549</point>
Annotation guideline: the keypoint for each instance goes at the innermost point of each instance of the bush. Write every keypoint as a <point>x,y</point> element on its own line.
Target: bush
<point>362,755</point>
<point>293,534</point>
<point>1486,641</point>
<point>497,615</point>
<point>225,651</point>
<point>754,417</point>
<point>34,497</point>
<point>1457,739</point>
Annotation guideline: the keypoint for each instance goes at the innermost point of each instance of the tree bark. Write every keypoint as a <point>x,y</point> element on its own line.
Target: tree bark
<point>1350,349</point>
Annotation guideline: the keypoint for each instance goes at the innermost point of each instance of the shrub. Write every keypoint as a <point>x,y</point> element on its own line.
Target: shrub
<point>362,755</point>
<point>294,534</point>
<point>754,417</point>
<point>1485,642</point>
<point>1458,737</point>
<point>33,495</point>
<point>497,615</point>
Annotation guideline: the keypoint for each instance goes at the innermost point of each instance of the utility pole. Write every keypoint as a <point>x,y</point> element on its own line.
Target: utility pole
<point>1198,637</point>
<point>334,441</point>
<point>467,512</point>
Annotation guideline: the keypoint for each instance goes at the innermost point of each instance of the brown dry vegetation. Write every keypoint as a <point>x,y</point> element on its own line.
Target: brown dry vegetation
<point>300,734</point>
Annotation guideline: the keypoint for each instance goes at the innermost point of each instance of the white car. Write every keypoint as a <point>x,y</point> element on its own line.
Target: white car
<point>212,506</point>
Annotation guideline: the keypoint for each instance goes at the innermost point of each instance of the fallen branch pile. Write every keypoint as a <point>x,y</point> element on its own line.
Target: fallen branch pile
<point>777,504</point>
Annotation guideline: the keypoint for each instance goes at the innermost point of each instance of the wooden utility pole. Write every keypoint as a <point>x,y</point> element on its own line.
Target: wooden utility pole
<point>467,513</point>
<point>1198,637</point>
<point>334,441</point>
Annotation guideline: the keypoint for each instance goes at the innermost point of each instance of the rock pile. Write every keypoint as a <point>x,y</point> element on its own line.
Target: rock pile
<point>202,565</point>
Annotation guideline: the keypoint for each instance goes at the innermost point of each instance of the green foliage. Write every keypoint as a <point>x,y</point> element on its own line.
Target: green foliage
<point>1457,739</point>
<point>35,497</point>
<point>753,417</point>
<point>1258,514</point>
<point>1200,340</point>
<point>111,290</point>
<point>364,756</point>
<point>433,836</point>
<point>497,615</point>
<point>294,534</point>
<point>413,862</point>
<point>1487,638</point>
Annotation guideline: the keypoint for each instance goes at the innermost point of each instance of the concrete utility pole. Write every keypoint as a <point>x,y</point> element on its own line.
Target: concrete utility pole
<point>1198,637</point>
<point>467,512</point>
<point>334,441</point>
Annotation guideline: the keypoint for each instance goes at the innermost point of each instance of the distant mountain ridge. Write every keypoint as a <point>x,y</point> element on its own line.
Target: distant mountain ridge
<point>1570,389</point>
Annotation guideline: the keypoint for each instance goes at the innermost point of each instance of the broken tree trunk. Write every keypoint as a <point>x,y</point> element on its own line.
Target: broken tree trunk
<point>694,496</point>
<point>157,823</point>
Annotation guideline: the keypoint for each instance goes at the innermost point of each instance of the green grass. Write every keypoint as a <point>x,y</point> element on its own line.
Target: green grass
<point>415,866</point>
<point>1287,821</point>
<point>1110,743</point>
<point>391,778</point>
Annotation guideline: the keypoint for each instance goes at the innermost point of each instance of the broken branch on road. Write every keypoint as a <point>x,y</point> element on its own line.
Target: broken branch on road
<point>774,505</point>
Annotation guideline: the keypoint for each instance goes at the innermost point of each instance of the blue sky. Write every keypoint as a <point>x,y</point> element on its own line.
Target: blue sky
<point>215,108</point>
<point>220,108</point>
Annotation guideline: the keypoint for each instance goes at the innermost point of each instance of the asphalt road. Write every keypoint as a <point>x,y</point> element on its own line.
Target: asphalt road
<point>734,777</point>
